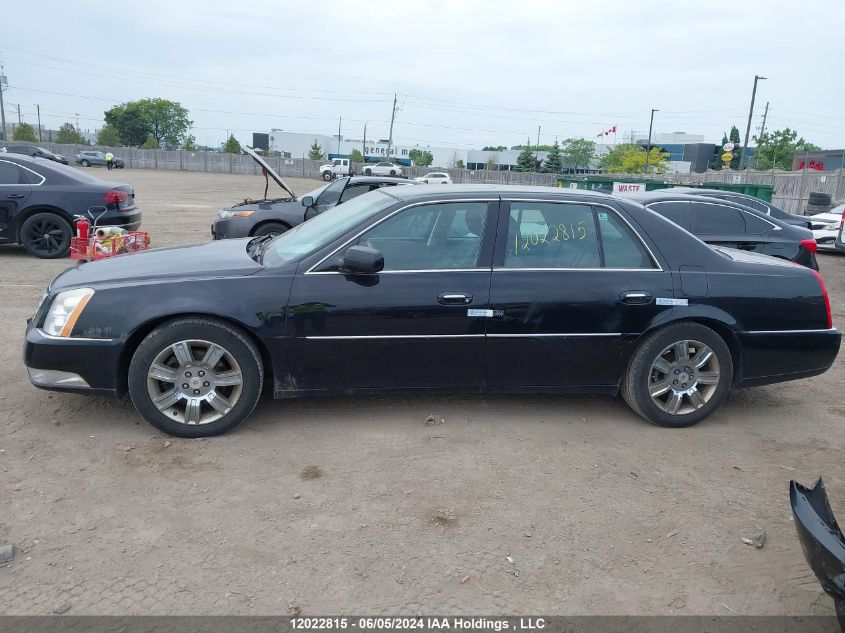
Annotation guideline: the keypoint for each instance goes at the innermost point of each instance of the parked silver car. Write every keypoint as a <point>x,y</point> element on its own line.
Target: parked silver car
<point>88,158</point>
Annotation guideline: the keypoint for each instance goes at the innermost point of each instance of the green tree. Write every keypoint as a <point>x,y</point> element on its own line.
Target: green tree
<point>579,152</point>
<point>421,158</point>
<point>67,135</point>
<point>24,132</point>
<point>490,164</point>
<point>190,143</point>
<point>494,148</point>
<point>315,152</point>
<point>232,146</point>
<point>460,163</point>
<point>151,143</point>
<point>166,121</point>
<point>356,156</point>
<point>108,136</point>
<point>778,148</point>
<point>536,148</point>
<point>526,161</point>
<point>553,163</point>
<point>631,159</point>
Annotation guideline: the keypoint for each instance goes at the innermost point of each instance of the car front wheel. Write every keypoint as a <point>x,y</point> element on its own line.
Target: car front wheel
<point>327,175</point>
<point>271,228</point>
<point>85,163</point>
<point>679,375</point>
<point>368,172</point>
<point>195,377</point>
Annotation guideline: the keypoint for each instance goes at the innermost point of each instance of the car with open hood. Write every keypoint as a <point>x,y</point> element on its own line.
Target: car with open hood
<point>475,288</point>
<point>275,215</point>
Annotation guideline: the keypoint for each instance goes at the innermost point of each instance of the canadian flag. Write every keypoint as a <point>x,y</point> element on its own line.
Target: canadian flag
<point>607,132</point>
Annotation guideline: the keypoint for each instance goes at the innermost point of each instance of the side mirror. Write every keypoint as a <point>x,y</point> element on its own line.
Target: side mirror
<point>308,201</point>
<point>362,260</point>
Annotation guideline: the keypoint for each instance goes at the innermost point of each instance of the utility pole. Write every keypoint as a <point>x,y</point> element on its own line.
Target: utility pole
<point>364,143</point>
<point>392,117</point>
<point>537,150</point>
<point>3,85</point>
<point>339,121</point>
<point>38,108</point>
<point>762,131</point>
<point>648,147</point>
<point>743,160</point>
<point>78,131</point>
<point>18,108</point>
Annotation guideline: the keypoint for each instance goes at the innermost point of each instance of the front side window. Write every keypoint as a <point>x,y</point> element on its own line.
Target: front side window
<point>331,194</point>
<point>675,211</point>
<point>353,191</point>
<point>439,236</point>
<point>560,235</point>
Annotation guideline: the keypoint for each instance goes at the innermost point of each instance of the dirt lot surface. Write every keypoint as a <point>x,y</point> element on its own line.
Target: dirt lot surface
<point>516,504</point>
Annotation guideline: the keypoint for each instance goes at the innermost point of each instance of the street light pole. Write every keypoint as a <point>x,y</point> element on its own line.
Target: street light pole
<point>648,147</point>
<point>364,144</point>
<point>743,160</point>
<point>3,84</point>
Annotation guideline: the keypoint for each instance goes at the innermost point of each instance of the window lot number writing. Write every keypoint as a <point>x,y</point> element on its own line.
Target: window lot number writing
<point>561,233</point>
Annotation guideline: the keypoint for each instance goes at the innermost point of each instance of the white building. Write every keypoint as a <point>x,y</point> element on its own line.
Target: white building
<point>298,144</point>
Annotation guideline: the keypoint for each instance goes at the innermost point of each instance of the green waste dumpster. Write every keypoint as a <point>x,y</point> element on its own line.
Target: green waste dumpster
<point>605,185</point>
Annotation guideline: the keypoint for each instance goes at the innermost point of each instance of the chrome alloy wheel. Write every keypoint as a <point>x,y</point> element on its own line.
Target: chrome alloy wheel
<point>194,382</point>
<point>683,377</point>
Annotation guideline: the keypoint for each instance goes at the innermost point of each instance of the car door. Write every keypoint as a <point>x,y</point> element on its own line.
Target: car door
<point>15,189</point>
<point>573,286</point>
<point>414,324</point>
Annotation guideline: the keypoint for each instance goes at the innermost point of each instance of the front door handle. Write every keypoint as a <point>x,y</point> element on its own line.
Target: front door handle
<point>454,298</point>
<point>16,195</point>
<point>636,297</point>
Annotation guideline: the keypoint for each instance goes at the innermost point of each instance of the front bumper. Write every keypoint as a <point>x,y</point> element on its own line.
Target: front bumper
<point>231,228</point>
<point>76,365</point>
<point>778,356</point>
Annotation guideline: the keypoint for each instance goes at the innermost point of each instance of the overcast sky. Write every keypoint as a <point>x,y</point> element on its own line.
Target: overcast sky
<point>467,73</point>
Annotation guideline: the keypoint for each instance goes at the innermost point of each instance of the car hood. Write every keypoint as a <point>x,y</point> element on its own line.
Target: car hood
<point>270,171</point>
<point>222,258</point>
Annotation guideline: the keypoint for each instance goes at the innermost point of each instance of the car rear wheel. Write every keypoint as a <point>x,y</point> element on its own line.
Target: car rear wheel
<point>271,228</point>
<point>392,172</point>
<point>84,163</point>
<point>679,375</point>
<point>368,172</point>
<point>195,377</point>
<point>46,235</point>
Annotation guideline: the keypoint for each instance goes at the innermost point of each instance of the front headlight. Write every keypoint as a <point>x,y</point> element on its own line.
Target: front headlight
<point>65,310</point>
<point>228,213</point>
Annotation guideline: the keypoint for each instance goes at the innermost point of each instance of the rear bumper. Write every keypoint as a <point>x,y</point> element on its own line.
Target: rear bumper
<point>778,356</point>
<point>90,366</point>
<point>127,220</point>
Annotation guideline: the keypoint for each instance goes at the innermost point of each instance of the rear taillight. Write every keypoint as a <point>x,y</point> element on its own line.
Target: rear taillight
<point>115,196</point>
<point>826,299</point>
<point>810,245</point>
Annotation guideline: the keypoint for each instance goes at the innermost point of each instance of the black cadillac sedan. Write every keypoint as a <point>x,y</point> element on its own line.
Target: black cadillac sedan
<point>477,288</point>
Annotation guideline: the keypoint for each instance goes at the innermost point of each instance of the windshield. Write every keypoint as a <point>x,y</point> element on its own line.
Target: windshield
<point>325,228</point>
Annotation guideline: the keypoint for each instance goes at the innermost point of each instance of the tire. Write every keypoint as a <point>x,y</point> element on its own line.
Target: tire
<point>46,235</point>
<point>368,172</point>
<point>270,228</point>
<point>392,172</point>
<point>180,413</point>
<point>84,163</point>
<point>327,175</point>
<point>643,376</point>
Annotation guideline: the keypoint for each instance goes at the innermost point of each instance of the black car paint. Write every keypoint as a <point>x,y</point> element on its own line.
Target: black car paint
<point>749,201</point>
<point>782,240</point>
<point>821,540</point>
<point>771,313</point>
<point>66,192</point>
<point>290,211</point>
<point>36,152</point>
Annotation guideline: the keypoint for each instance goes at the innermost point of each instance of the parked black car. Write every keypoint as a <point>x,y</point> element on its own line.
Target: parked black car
<point>821,540</point>
<point>39,199</point>
<point>88,158</point>
<point>725,223</point>
<point>750,201</point>
<point>477,288</point>
<point>37,152</point>
<point>273,216</point>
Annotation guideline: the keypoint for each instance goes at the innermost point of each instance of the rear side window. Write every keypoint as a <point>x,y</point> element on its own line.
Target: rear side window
<point>678,212</point>
<point>754,224</point>
<point>560,235</point>
<point>716,219</point>
<point>12,174</point>
<point>751,203</point>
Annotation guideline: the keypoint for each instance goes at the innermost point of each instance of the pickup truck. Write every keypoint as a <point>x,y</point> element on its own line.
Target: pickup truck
<point>338,167</point>
<point>382,169</point>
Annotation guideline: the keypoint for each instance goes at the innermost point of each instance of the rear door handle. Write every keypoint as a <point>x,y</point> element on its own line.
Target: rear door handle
<point>16,195</point>
<point>454,298</point>
<point>636,297</point>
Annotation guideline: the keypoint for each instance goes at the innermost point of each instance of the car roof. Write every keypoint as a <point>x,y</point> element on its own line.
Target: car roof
<point>409,193</point>
<point>376,179</point>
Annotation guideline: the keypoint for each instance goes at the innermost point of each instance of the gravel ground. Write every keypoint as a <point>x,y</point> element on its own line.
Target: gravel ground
<point>516,504</point>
